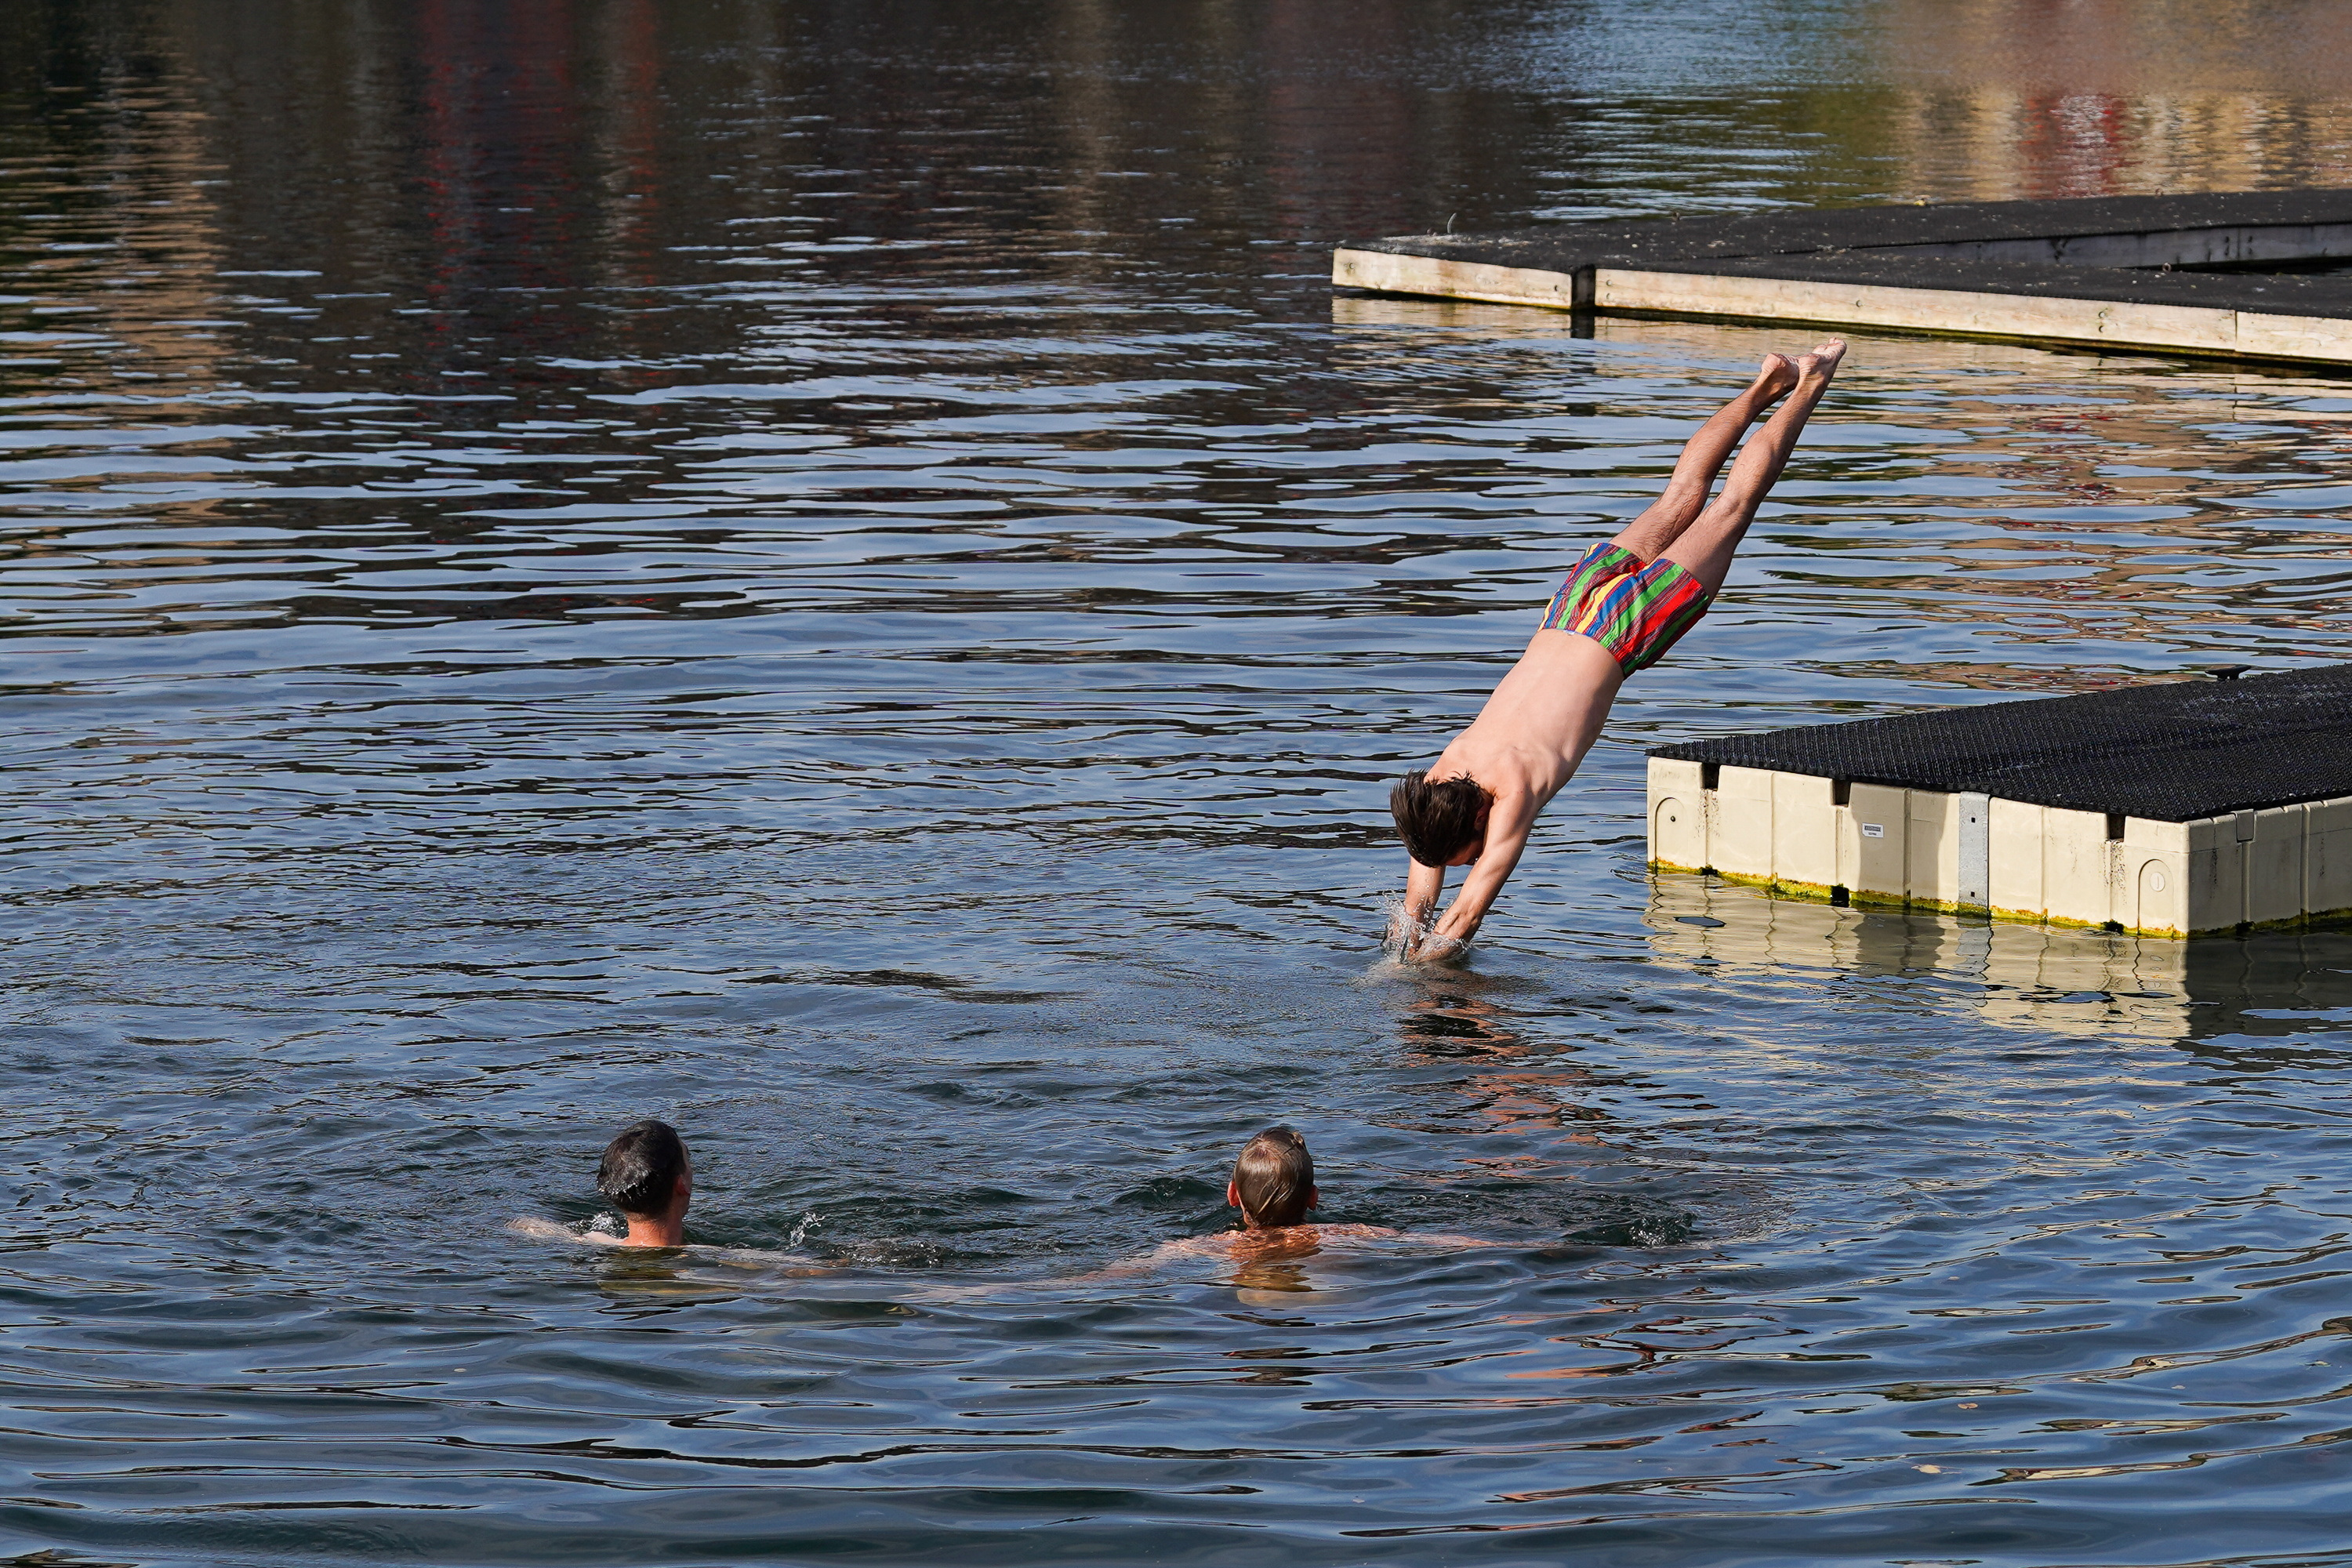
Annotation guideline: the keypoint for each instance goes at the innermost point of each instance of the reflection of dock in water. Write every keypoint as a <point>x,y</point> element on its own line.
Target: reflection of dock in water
<point>2050,979</point>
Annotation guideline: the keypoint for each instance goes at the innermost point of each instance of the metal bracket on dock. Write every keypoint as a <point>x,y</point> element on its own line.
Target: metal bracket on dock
<point>1975,851</point>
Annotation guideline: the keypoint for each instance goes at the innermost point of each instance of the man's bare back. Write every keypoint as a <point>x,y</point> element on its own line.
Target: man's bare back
<point>1619,612</point>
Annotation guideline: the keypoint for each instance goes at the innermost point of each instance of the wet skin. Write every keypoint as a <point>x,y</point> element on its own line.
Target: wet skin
<point>1528,739</point>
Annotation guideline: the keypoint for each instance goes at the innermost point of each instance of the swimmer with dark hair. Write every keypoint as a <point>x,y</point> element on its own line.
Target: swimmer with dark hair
<point>645,1173</point>
<point>1621,608</point>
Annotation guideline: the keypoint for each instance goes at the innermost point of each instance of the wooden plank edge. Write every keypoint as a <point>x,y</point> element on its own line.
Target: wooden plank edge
<point>2019,317</point>
<point>2198,329</point>
<point>1385,272</point>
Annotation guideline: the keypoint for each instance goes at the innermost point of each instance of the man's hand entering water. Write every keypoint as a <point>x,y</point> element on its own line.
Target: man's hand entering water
<point>1412,941</point>
<point>1434,947</point>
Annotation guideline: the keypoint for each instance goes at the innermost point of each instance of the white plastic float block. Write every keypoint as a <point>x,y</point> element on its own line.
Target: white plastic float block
<point>2169,808</point>
<point>1806,836</point>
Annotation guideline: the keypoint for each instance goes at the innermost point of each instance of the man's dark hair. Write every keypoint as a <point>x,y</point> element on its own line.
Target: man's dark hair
<point>1275,1176</point>
<point>641,1167</point>
<point>1438,819</point>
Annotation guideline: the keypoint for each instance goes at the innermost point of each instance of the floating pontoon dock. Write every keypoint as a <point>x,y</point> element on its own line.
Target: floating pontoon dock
<point>2208,274</point>
<point>2165,810</point>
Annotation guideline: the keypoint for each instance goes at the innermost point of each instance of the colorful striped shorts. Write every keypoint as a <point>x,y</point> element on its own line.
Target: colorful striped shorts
<point>1635,609</point>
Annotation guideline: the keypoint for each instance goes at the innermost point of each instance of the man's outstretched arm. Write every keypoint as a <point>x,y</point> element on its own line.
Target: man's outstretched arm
<point>1423,886</point>
<point>1479,890</point>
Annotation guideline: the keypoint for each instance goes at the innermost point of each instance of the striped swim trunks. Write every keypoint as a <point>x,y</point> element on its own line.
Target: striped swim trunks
<point>1635,609</point>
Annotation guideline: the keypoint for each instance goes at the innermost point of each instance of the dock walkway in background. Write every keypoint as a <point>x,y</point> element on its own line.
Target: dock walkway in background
<point>2240,274</point>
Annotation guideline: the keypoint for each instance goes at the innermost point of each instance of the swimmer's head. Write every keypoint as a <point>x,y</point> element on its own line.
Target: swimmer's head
<point>1441,821</point>
<point>645,1172</point>
<point>1274,1180</point>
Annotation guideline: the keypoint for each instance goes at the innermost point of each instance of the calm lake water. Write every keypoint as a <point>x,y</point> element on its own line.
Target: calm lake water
<point>836,574</point>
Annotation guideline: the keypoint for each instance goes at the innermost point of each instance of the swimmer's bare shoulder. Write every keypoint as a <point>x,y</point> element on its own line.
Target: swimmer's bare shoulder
<point>1438,1240</point>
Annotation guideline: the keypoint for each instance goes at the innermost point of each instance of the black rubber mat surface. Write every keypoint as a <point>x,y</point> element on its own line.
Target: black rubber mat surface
<point>2169,753</point>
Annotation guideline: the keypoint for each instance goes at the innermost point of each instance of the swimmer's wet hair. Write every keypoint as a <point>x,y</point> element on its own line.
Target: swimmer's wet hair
<point>641,1168</point>
<point>1437,819</point>
<point>1276,1177</point>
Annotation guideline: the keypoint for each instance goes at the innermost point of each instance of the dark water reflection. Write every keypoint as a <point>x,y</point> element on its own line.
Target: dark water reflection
<point>836,574</point>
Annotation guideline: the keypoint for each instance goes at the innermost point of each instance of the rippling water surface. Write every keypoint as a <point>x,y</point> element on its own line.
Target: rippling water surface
<point>836,574</point>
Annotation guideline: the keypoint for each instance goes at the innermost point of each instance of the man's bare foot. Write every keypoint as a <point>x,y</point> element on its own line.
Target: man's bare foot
<point>1774,378</point>
<point>1823,362</point>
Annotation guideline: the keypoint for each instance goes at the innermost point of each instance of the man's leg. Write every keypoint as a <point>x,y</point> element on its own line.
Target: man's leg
<point>1704,549</point>
<point>1649,534</point>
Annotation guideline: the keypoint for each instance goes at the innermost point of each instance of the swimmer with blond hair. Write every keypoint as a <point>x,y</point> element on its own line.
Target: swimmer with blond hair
<point>1272,1183</point>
